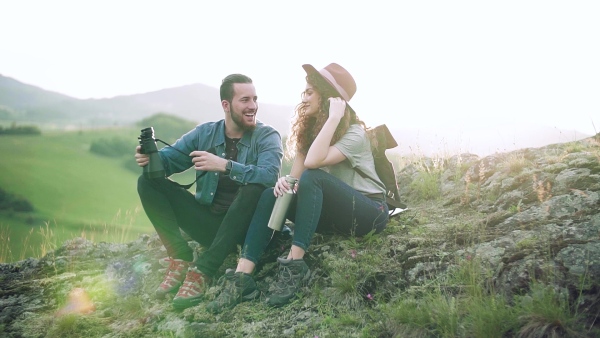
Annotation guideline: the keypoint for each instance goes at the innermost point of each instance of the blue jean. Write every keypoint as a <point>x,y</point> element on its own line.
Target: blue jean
<point>323,204</point>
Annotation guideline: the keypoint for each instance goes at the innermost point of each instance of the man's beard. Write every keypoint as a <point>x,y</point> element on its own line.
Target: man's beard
<point>238,119</point>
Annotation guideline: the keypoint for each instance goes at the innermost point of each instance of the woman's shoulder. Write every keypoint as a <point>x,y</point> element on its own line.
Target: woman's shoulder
<point>356,129</point>
<point>355,136</point>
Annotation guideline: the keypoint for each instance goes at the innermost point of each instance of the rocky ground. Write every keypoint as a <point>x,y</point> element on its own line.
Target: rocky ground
<point>528,216</point>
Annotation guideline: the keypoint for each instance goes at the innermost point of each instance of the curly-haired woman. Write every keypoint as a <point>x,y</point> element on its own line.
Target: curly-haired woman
<point>329,143</point>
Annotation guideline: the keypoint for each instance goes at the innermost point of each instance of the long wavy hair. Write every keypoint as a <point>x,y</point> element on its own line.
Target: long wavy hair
<point>305,128</point>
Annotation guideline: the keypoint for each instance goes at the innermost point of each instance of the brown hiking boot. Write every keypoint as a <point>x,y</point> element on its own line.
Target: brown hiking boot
<point>174,276</point>
<point>191,292</point>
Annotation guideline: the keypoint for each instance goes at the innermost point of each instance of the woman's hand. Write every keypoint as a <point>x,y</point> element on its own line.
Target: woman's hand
<point>321,153</point>
<point>337,108</point>
<point>281,186</point>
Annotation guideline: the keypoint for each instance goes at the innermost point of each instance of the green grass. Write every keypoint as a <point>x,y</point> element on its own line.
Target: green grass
<point>464,305</point>
<point>74,192</point>
<point>359,290</point>
<point>426,186</point>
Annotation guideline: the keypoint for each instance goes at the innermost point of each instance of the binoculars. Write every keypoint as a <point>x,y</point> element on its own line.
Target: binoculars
<point>155,168</point>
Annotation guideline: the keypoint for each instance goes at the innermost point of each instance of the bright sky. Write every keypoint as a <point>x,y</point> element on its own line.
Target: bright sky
<point>429,64</point>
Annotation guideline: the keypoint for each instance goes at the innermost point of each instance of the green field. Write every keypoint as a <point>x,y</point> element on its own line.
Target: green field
<point>74,192</point>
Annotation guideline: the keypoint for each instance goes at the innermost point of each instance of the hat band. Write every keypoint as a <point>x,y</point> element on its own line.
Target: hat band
<point>327,75</point>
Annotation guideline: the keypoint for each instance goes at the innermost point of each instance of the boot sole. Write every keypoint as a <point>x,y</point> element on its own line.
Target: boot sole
<point>163,294</point>
<point>252,296</point>
<point>184,304</point>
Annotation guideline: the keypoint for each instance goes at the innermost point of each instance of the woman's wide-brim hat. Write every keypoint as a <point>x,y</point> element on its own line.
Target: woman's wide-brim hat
<point>337,77</point>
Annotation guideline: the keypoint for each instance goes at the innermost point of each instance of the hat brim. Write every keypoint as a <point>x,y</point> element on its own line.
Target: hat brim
<point>309,69</point>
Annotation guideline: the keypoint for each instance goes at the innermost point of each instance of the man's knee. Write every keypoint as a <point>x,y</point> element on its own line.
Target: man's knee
<point>142,184</point>
<point>247,198</point>
<point>155,184</point>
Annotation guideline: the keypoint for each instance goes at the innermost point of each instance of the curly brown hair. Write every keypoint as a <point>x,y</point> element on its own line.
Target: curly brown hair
<point>305,128</point>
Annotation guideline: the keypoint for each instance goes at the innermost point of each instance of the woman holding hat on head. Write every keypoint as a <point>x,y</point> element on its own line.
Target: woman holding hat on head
<point>329,142</point>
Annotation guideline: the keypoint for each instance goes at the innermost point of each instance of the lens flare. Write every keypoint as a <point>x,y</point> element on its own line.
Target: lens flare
<point>78,303</point>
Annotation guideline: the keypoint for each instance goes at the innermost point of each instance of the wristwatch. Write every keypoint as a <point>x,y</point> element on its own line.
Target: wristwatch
<point>228,167</point>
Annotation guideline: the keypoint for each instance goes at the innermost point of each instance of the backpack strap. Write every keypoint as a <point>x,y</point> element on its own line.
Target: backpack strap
<point>378,182</point>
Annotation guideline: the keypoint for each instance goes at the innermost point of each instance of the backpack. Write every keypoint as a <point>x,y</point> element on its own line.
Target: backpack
<point>384,168</point>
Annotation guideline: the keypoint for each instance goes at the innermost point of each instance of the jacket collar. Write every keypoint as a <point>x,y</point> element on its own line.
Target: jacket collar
<point>245,140</point>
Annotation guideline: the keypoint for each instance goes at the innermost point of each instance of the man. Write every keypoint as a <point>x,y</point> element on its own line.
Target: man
<point>235,160</point>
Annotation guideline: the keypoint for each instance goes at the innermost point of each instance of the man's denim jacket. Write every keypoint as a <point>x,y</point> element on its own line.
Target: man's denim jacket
<point>258,161</point>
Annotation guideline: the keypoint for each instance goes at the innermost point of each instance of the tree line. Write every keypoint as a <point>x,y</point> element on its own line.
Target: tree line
<point>20,130</point>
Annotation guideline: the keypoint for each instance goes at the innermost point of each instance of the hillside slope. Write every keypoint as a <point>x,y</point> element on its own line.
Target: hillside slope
<point>500,246</point>
<point>72,190</point>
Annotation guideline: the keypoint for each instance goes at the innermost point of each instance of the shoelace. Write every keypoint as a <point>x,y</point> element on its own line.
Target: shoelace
<point>223,279</point>
<point>172,270</point>
<point>191,278</point>
<point>284,278</point>
<point>229,292</point>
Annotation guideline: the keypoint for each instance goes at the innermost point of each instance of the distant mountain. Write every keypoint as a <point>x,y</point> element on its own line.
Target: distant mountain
<point>21,102</point>
<point>21,96</point>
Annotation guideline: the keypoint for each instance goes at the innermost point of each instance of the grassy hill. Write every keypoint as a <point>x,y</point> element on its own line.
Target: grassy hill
<point>74,192</point>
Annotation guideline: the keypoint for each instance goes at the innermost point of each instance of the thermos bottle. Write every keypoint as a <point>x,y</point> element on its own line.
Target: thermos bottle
<point>281,205</point>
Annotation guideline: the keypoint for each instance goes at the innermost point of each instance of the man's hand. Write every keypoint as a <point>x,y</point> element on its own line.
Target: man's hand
<point>141,159</point>
<point>203,160</point>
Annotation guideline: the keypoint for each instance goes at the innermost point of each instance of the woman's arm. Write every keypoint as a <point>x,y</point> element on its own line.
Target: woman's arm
<point>298,165</point>
<point>321,153</point>
<point>297,169</point>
